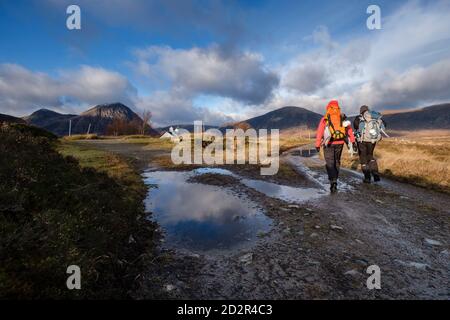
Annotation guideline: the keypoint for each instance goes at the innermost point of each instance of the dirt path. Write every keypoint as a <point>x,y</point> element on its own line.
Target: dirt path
<point>322,248</point>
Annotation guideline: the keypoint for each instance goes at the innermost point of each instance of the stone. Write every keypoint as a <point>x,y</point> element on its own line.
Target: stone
<point>169,287</point>
<point>352,272</point>
<point>432,242</point>
<point>246,258</point>
<point>334,227</point>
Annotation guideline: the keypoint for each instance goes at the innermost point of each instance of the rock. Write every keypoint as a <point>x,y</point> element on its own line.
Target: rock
<point>362,262</point>
<point>295,206</point>
<point>432,242</point>
<point>287,230</point>
<point>246,258</point>
<point>300,233</point>
<point>359,241</point>
<point>313,235</point>
<point>334,227</point>
<point>309,209</point>
<point>169,287</point>
<point>194,255</point>
<point>445,252</point>
<point>317,227</point>
<point>131,239</point>
<point>352,272</point>
<point>417,265</point>
<point>379,201</point>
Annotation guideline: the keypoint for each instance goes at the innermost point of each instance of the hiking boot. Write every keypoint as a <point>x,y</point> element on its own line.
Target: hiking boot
<point>366,177</point>
<point>333,187</point>
<point>376,178</point>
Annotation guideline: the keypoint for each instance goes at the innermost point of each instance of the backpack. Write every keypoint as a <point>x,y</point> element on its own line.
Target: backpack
<point>333,120</point>
<point>370,127</point>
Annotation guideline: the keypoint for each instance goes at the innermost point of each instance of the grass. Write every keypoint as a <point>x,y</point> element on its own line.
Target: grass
<point>57,211</point>
<point>103,161</point>
<point>81,137</point>
<point>420,159</point>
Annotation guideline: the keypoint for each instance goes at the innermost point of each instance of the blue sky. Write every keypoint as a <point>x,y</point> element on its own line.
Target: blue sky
<point>222,60</point>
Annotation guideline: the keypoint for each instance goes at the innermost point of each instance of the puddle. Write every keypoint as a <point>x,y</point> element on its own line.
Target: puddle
<point>285,193</point>
<point>207,170</point>
<point>305,153</point>
<point>273,190</point>
<point>199,217</point>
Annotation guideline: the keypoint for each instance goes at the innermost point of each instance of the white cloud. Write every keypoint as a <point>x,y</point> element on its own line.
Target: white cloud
<point>241,76</point>
<point>416,86</point>
<point>174,107</point>
<point>23,91</point>
<point>406,64</point>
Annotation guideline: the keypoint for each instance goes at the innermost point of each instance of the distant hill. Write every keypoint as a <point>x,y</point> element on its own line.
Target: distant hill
<point>98,117</point>
<point>433,117</point>
<point>10,119</point>
<point>52,121</point>
<point>284,118</point>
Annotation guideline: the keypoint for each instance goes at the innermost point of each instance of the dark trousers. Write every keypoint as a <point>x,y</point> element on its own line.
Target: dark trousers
<point>332,154</point>
<point>368,162</point>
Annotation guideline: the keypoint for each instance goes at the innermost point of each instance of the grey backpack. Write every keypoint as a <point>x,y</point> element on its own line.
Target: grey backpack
<point>371,127</point>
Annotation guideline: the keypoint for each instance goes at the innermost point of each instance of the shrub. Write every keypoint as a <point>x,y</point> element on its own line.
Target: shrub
<point>54,214</point>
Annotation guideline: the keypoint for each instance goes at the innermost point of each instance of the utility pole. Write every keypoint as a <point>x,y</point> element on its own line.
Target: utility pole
<point>70,127</point>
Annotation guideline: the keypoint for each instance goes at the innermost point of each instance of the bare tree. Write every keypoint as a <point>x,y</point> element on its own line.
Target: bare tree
<point>146,117</point>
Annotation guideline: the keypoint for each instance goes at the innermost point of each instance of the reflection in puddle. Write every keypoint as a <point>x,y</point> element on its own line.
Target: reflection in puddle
<point>277,191</point>
<point>201,217</point>
<point>208,170</point>
<point>285,193</point>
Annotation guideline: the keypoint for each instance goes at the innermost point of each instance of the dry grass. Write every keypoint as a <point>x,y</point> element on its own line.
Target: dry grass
<point>294,138</point>
<point>81,137</point>
<point>422,159</point>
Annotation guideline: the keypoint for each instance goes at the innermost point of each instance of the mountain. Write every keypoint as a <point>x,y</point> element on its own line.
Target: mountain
<point>99,118</point>
<point>284,118</point>
<point>50,120</point>
<point>11,119</point>
<point>432,117</point>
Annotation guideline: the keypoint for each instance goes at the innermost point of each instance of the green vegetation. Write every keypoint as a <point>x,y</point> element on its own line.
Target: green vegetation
<point>57,211</point>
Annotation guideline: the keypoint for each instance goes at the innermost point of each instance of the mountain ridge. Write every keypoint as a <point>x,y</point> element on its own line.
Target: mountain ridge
<point>95,120</point>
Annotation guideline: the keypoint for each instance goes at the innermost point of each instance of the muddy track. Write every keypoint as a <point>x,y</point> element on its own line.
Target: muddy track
<point>320,249</point>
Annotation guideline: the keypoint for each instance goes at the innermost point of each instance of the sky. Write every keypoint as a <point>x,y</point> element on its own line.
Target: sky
<point>222,60</point>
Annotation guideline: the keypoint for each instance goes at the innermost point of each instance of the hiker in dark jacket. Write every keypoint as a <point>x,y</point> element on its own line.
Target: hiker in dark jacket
<point>367,138</point>
<point>332,134</point>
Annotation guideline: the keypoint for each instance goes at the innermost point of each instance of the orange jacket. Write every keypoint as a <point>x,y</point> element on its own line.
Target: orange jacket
<point>321,129</point>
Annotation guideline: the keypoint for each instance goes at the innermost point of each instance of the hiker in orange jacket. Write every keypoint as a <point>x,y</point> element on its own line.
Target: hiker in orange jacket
<point>332,133</point>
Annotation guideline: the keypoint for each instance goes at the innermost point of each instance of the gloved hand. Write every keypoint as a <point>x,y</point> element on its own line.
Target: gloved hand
<point>355,147</point>
<point>318,149</point>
